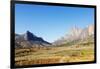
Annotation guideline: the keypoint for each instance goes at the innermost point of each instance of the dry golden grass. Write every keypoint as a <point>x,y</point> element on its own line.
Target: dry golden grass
<point>53,55</point>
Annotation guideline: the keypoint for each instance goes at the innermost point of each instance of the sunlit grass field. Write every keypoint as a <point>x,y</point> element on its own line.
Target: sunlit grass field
<point>55,54</point>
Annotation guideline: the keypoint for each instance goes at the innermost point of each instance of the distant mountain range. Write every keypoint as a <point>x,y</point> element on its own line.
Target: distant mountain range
<point>28,40</point>
<point>76,34</point>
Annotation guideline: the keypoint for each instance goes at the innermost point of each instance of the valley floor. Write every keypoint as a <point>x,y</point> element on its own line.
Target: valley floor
<point>51,55</point>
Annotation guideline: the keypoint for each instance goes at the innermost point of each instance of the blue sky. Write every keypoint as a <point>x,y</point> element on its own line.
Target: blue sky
<point>50,22</point>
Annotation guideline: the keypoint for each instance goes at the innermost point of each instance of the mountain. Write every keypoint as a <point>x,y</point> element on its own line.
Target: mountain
<point>28,40</point>
<point>76,34</point>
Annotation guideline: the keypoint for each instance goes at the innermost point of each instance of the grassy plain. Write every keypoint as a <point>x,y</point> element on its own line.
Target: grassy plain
<point>55,54</point>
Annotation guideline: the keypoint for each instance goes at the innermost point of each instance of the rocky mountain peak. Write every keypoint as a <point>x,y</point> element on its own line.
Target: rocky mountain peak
<point>29,36</point>
<point>76,33</point>
<point>29,40</point>
<point>91,29</point>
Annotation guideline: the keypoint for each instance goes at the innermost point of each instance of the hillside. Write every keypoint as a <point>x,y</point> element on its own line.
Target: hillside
<point>29,40</point>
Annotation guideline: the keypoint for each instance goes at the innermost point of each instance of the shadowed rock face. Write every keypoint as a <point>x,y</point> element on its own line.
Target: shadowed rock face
<point>29,36</point>
<point>29,40</point>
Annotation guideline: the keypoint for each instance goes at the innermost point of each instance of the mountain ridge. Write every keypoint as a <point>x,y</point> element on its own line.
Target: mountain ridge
<point>76,34</point>
<point>29,40</point>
